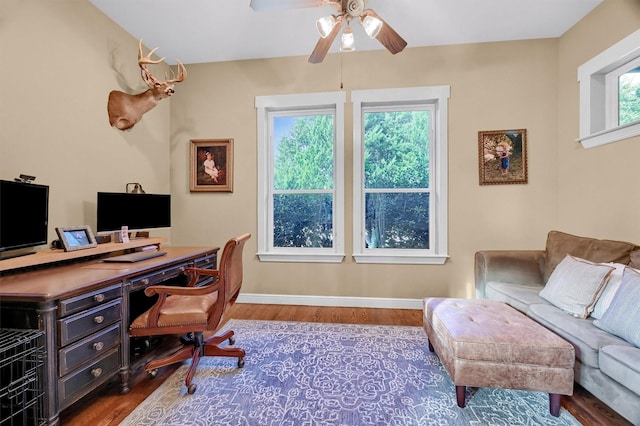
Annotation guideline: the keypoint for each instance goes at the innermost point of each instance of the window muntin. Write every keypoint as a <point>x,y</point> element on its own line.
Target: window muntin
<point>400,175</point>
<point>301,177</point>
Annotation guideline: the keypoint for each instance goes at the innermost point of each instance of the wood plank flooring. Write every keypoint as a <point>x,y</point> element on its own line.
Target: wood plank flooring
<point>106,407</point>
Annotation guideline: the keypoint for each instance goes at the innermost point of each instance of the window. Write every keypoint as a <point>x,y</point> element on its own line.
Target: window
<point>400,172</point>
<point>301,177</point>
<point>610,94</point>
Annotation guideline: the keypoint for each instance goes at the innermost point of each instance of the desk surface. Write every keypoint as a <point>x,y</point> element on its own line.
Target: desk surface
<point>51,283</point>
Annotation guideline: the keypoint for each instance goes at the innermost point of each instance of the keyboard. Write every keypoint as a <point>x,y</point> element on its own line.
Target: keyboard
<point>135,256</point>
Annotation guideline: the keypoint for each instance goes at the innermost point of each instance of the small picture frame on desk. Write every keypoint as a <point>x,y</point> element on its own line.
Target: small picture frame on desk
<point>76,237</point>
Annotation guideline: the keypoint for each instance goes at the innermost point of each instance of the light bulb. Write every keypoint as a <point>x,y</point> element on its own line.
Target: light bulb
<point>325,25</point>
<point>348,42</point>
<point>371,25</point>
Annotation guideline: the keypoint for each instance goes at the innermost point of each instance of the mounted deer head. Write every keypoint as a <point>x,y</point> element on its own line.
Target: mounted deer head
<point>126,110</point>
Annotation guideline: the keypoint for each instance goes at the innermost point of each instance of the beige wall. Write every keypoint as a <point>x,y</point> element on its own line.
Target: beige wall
<point>60,59</point>
<point>493,86</point>
<point>598,187</point>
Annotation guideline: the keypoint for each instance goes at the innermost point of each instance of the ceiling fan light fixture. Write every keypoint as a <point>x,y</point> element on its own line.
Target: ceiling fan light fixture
<point>371,25</point>
<point>347,42</point>
<point>325,25</point>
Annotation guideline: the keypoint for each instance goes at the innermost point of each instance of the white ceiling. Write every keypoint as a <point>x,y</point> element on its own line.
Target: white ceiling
<point>196,31</point>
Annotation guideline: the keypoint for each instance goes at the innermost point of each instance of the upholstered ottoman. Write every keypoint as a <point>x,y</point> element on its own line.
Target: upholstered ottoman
<point>484,343</point>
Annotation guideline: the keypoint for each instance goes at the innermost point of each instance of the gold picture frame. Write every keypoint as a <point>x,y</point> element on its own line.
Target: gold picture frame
<point>211,165</point>
<point>502,157</point>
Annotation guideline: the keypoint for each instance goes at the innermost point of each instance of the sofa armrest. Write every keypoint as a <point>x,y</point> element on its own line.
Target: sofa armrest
<point>524,267</point>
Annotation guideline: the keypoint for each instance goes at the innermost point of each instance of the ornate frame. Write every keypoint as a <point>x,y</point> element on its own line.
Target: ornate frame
<point>219,177</point>
<point>502,157</point>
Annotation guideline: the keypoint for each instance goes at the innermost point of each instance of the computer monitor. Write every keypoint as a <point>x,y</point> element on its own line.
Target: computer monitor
<point>137,211</point>
<point>24,215</point>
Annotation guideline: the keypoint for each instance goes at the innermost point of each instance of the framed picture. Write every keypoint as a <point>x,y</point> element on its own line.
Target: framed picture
<point>502,156</point>
<point>76,237</point>
<point>211,165</point>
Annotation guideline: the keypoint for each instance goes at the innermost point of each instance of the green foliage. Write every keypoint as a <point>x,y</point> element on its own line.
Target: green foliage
<point>305,156</point>
<point>629,97</point>
<point>396,158</point>
<point>396,149</point>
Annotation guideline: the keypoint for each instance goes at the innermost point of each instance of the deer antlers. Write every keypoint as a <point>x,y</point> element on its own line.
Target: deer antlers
<point>148,77</point>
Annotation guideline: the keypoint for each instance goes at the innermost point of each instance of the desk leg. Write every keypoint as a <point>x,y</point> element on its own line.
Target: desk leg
<point>124,341</point>
<point>47,315</point>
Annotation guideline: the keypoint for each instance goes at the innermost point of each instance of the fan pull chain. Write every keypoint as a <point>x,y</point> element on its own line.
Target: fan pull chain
<point>341,85</point>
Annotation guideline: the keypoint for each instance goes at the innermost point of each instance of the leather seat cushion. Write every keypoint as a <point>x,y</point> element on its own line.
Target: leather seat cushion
<point>181,310</point>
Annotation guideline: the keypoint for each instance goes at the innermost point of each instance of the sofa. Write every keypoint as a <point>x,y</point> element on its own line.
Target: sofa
<point>587,291</point>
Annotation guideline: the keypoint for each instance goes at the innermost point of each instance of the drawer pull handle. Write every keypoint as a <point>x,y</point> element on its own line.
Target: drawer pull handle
<point>99,297</point>
<point>98,346</point>
<point>145,281</point>
<point>96,372</point>
<point>181,269</point>
<point>99,319</point>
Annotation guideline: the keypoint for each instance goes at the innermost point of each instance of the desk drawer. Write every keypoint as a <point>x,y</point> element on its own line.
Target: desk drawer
<point>89,300</point>
<point>91,347</point>
<point>75,385</point>
<point>207,262</point>
<point>85,323</point>
<point>156,277</point>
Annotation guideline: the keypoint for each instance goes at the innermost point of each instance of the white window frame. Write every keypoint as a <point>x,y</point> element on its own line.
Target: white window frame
<point>266,106</point>
<point>437,97</point>
<point>597,126</point>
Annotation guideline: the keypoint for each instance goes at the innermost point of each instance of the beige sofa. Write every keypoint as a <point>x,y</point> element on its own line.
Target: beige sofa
<point>607,365</point>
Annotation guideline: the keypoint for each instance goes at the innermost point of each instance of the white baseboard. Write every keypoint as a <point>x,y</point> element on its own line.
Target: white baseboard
<point>355,302</point>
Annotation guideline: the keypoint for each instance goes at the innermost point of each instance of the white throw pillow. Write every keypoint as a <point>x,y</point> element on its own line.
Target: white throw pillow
<point>623,316</point>
<point>575,284</point>
<point>609,291</point>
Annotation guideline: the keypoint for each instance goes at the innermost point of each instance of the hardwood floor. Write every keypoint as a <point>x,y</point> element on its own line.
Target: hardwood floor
<point>106,407</point>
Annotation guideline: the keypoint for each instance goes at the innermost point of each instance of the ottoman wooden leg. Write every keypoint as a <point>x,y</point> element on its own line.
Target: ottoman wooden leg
<point>430,347</point>
<point>554,404</point>
<point>460,395</point>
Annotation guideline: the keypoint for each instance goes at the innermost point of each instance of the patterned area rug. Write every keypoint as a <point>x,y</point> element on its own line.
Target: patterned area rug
<point>333,374</point>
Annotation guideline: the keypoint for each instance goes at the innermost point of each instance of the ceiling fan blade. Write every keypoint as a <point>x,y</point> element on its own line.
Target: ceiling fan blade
<point>269,5</point>
<point>388,37</point>
<point>323,45</point>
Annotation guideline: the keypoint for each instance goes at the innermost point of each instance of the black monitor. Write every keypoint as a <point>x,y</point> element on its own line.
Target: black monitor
<point>24,215</point>
<point>137,211</point>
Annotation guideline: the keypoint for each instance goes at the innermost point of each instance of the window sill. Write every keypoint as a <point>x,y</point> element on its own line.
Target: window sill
<point>401,259</point>
<point>610,135</point>
<point>304,258</point>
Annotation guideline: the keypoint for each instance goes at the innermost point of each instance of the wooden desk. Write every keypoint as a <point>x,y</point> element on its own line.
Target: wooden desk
<point>83,309</point>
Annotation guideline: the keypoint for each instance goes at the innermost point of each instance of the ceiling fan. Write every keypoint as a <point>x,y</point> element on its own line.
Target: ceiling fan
<point>329,26</point>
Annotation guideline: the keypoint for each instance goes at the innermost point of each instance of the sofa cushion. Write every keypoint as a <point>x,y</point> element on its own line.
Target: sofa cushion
<point>575,284</point>
<point>581,333</point>
<point>560,244</point>
<point>609,291</point>
<point>623,316</point>
<point>515,295</point>
<point>622,363</point>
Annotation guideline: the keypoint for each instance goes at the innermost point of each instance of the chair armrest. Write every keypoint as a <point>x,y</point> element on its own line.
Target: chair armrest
<point>524,267</point>
<point>196,272</point>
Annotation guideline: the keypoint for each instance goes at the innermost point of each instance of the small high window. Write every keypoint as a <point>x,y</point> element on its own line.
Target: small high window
<point>610,94</point>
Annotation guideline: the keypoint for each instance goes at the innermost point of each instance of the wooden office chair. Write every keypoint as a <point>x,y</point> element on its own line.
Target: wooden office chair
<point>194,311</point>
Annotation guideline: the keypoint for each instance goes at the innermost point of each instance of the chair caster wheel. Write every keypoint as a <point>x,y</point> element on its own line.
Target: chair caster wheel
<point>152,373</point>
<point>192,388</point>
<point>240,362</point>
<point>232,340</point>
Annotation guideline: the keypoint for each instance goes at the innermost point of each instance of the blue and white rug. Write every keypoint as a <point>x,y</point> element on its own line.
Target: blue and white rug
<point>316,374</point>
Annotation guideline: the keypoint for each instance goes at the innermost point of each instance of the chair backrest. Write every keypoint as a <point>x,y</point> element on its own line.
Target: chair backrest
<point>231,267</point>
